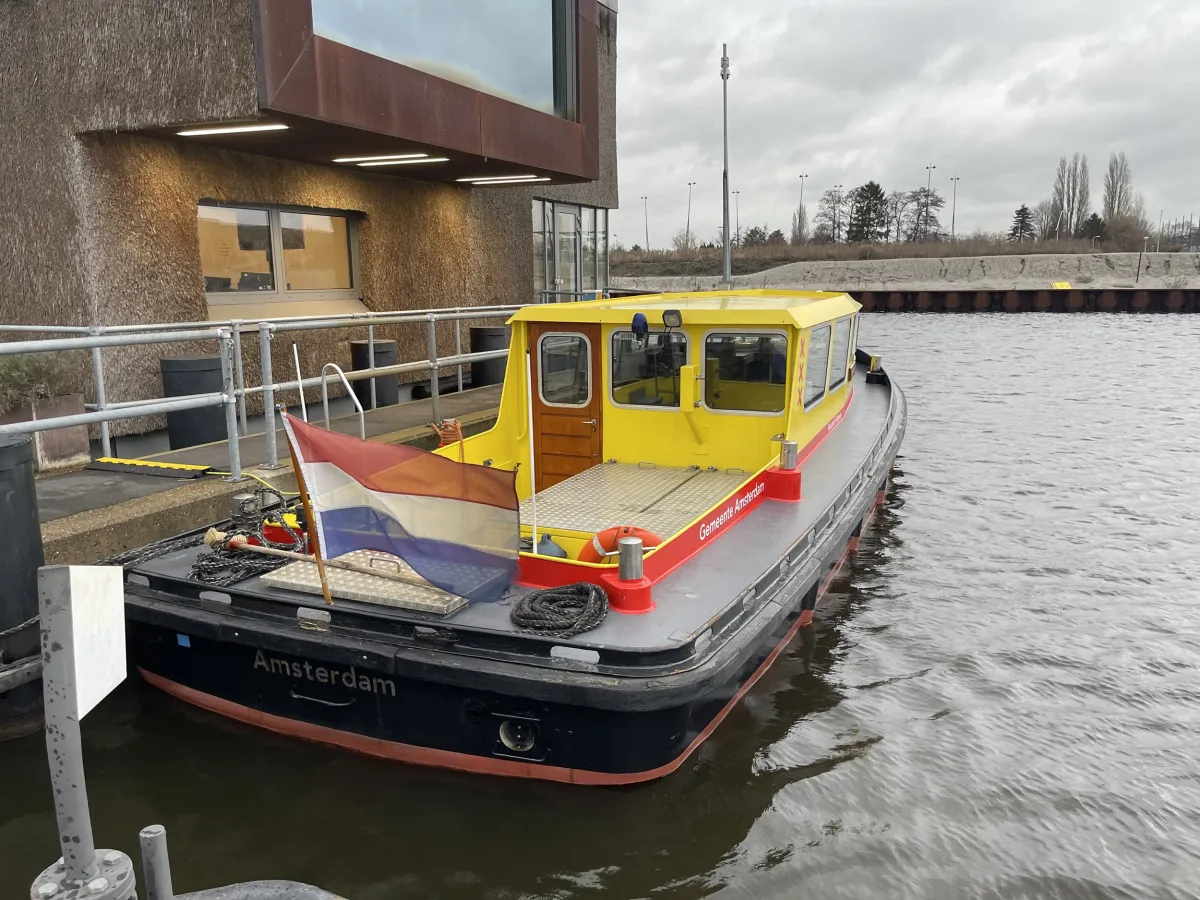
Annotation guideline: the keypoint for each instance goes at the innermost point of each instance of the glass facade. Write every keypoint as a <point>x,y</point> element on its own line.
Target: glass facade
<point>520,50</point>
<point>570,251</point>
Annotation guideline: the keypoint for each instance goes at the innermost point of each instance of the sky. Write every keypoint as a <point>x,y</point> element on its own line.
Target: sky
<point>993,91</point>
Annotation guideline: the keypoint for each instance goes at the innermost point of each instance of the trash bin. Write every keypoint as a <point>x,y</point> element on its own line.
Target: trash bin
<point>19,707</point>
<point>484,338</point>
<point>387,387</point>
<point>185,375</point>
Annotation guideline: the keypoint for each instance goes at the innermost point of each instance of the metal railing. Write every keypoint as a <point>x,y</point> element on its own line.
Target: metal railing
<point>233,394</point>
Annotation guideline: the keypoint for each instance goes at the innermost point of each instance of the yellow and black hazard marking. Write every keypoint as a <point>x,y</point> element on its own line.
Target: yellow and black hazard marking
<point>148,467</point>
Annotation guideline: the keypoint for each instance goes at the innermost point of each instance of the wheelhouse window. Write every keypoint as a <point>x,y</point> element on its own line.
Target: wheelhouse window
<point>645,370</point>
<point>745,372</point>
<point>564,371</point>
<point>816,370</point>
<point>841,353</point>
<point>270,253</point>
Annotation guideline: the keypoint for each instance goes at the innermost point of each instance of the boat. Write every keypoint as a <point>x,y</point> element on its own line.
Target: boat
<point>705,460</point>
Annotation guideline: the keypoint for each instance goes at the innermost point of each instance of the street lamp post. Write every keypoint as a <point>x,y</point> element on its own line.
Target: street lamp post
<point>928,186</point>
<point>727,278</point>
<point>1158,240</point>
<point>687,233</point>
<point>954,206</point>
<point>737,207</point>
<point>646,210</point>
<point>1145,244</point>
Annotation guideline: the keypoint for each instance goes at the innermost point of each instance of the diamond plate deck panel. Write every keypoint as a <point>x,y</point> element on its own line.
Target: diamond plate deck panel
<point>347,585</point>
<point>660,499</point>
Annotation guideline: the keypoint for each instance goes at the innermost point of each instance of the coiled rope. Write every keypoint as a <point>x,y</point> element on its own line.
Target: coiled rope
<point>223,566</point>
<point>561,611</point>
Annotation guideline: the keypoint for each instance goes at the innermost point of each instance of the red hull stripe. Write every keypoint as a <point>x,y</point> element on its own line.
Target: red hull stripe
<point>465,762</point>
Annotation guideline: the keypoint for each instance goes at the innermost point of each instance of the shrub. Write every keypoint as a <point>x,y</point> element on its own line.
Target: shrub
<point>33,376</point>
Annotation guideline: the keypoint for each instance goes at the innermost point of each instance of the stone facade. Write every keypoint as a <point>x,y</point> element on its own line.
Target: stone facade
<point>98,226</point>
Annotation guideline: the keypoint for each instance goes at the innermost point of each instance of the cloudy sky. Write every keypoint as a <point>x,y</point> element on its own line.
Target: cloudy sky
<point>993,91</point>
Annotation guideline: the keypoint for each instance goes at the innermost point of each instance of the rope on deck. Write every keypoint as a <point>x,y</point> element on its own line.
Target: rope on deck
<point>561,611</point>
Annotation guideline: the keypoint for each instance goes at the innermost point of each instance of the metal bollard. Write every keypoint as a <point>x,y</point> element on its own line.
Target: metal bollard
<point>431,338</point>
<point>156,865</point>
<point>629,562</point>
<point>225,347</point>
<point>268,395</point>
<point>789,455</point>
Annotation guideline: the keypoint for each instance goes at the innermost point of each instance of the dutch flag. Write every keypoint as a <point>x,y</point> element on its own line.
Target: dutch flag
<point>456,524</point>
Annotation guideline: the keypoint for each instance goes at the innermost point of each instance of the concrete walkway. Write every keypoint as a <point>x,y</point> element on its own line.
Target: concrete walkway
<point>87,515</point>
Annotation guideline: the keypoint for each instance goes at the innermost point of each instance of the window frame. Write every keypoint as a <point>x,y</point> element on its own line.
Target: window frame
<point>812,404</point>
<point>830,387</point>
<point>773,332</point>
<point>281,294</point>
<point>541,371</point>
<point>612,386</point>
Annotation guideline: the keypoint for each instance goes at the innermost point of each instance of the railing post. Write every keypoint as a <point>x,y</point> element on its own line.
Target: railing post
<point>371,360</point>
<point>98,377</point>
<point>458,348</point>
<point>268,394</point>
<point>225,348</point>
<point>431,335</point>
<point>238,373</point>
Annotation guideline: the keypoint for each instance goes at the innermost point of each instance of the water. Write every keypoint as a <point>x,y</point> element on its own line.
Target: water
<point>1001,700</point>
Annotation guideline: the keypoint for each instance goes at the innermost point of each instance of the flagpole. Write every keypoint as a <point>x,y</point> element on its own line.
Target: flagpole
<point>532,469</point>
<point>310,519</point>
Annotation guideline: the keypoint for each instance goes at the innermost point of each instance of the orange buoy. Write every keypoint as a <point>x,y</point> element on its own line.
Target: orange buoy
<point>605,542</point>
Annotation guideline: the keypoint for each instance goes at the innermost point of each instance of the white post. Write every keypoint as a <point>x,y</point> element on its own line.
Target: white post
<point>300,381</point>
<point>532,465</point>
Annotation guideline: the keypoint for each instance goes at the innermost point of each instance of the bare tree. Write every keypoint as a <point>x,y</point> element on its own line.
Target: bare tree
<point>1118,186</point>
<point>898,203</point>
<point>1045,214</point>
<point>832,213</point>
<point>685,240</point>
<point>799,227</point>
<point>1072,195</point>
<point>1126,230</point>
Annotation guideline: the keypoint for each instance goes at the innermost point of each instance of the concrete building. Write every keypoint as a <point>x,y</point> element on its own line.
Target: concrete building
<point>194,159</point>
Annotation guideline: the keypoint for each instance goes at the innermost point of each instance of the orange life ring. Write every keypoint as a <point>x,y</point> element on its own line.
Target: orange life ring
<point>605,542</point>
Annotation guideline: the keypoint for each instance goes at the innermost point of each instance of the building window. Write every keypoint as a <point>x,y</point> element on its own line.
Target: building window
<point>564,371</point>
<point>645,370</point>
<point>745,372</point>
<point>841,352</point>
<point>570,251</point>
<point>521,50</point>
<point>273,253</point>
<point>816,370</point>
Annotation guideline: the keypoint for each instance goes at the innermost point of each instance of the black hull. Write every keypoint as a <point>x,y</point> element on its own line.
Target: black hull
<point>315,686</point>
<point>453,694</point>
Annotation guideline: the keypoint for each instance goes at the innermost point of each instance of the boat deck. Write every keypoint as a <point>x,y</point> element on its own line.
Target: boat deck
<point>660,499</point>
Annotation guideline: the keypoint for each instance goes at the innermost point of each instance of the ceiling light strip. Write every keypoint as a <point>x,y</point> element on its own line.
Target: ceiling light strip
<point>231,129</point>
<point>403,162</point>
<point>480,179</point>
<point>508,181</point>
<point>363,159</point>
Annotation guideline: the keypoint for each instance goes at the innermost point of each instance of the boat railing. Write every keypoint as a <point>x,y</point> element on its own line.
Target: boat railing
<point>362,418</point>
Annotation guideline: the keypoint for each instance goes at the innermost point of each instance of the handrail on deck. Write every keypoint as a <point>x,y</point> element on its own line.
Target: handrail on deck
<point>362,417</point>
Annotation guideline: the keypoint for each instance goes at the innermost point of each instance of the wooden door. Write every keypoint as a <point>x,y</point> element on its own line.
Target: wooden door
<point>567,408</point>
